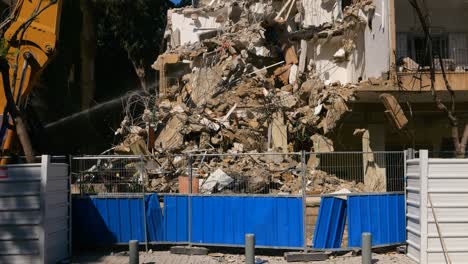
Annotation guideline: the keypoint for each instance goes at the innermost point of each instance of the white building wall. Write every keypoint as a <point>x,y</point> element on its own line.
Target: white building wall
<point>371,56</point>
<point>318,12</point>
<point>190,29</point>
<point>377,42</point>
<point>349,71</point>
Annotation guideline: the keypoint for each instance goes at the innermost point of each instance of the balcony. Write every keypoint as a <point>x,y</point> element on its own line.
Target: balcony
<point>414,71</point>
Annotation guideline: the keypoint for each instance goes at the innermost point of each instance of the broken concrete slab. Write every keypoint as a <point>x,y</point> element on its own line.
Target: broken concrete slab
<point>170,137</point>
<point>187,250</point>
<point>217,180</point>
<point>394,112</point>
<point>282,73</point>
<point>287,100</point>
<point>279,133</point>
<point>335,112</point>
<point>305,256</point>
<point>375,179</point>
<point>290,55</point>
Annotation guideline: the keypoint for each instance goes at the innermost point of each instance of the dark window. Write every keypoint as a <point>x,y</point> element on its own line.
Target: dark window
<point>345,3</point>
<point>418,48</point>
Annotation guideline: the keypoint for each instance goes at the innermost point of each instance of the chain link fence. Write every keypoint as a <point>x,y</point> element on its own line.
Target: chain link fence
<point>240,173</point>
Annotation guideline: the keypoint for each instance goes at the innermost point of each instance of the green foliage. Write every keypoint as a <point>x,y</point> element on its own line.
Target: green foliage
<point>3,48</point>
<point>135,25</point>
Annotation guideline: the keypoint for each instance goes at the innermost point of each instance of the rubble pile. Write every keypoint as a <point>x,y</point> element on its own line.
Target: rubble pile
<point>245,86</point>
<point>270,174</point>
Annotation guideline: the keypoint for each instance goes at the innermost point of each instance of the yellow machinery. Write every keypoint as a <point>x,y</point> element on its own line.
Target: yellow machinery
<point>30,34</point>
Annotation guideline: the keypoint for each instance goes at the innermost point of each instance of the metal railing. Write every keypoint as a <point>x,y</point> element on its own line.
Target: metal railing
<point>454,60</point>
<point>240,173</point>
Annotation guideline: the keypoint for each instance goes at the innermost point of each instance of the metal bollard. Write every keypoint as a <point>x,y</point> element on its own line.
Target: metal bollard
<point>133,252</point>
<point>366,247</point>
<point>249,249</point>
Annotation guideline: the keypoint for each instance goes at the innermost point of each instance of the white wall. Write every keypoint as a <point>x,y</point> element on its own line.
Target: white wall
<point>317,12</point>
<point>187,26</point>
<point>377,42</point>
<point>370,58</point>
<point>345,72</point>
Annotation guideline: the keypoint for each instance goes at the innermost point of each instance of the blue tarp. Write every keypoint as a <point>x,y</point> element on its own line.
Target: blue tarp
<point>154,218</point>
<point>330,224</point>
<point>381,215</point>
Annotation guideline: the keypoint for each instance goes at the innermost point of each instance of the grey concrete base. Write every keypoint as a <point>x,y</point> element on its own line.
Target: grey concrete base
<point>303,257</point>
<point>186,250</point>
<point>401,249</point>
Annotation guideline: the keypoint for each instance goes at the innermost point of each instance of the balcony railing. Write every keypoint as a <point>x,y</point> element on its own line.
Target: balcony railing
<point>455,61</point>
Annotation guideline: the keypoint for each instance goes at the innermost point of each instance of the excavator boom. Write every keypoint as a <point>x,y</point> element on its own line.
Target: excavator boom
<point>28,44</point>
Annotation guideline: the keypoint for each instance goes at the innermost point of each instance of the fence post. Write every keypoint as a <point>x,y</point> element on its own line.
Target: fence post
<point>133,253</point>
<point>249,249</point>
<point>410,153</point>
<point>70,207</point>
<point>189,216</point>
<point>143,180</point>
<point>304,198</point>
<point>366,248</point>
<point>423,203</point>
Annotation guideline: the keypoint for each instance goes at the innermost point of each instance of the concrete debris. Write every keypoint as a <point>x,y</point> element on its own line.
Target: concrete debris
<point>170,137</point>
<point>321,144</point>
<point>407,64</point>
<point>216,182</point>
<point>247,87</point>
<point>394,112</point>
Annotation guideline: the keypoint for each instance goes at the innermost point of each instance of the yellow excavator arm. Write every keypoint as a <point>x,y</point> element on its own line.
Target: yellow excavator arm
<point>27,45</point>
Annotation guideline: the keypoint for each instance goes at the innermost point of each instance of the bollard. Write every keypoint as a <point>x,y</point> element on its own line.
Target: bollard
<point>133,252</point>
<point>366,247</point>
<point>249,249</point>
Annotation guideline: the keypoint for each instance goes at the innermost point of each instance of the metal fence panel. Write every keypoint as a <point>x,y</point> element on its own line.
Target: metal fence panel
<point>224,220</point>
<point>441,208</point>
<point>107,221</point>
<point>330,223</point>
<point>240,173</point>
<point>176,218</point>
<point>413,201</point>
<point>275,221</point>
<point>107,174</point>
<point>34,225</point>
<point>382,215</point>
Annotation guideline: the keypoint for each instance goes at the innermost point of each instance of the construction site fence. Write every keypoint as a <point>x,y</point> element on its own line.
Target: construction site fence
<point>316,222</point>
<point>271,174</point>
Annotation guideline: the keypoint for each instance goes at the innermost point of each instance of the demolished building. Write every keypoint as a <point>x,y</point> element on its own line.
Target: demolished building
<point>285,76</point>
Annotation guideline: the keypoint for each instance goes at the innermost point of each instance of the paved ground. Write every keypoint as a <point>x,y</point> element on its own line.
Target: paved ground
<point>164,257</point>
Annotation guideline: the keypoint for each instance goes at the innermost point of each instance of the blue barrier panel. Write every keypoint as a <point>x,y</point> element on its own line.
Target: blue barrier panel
<point>224,220</point>
<point>330,224</point>
<point>175,218</point>
<point>105,221</point>
<point>381,215</point>
<point>276,221</point>
<point>154,218</point>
